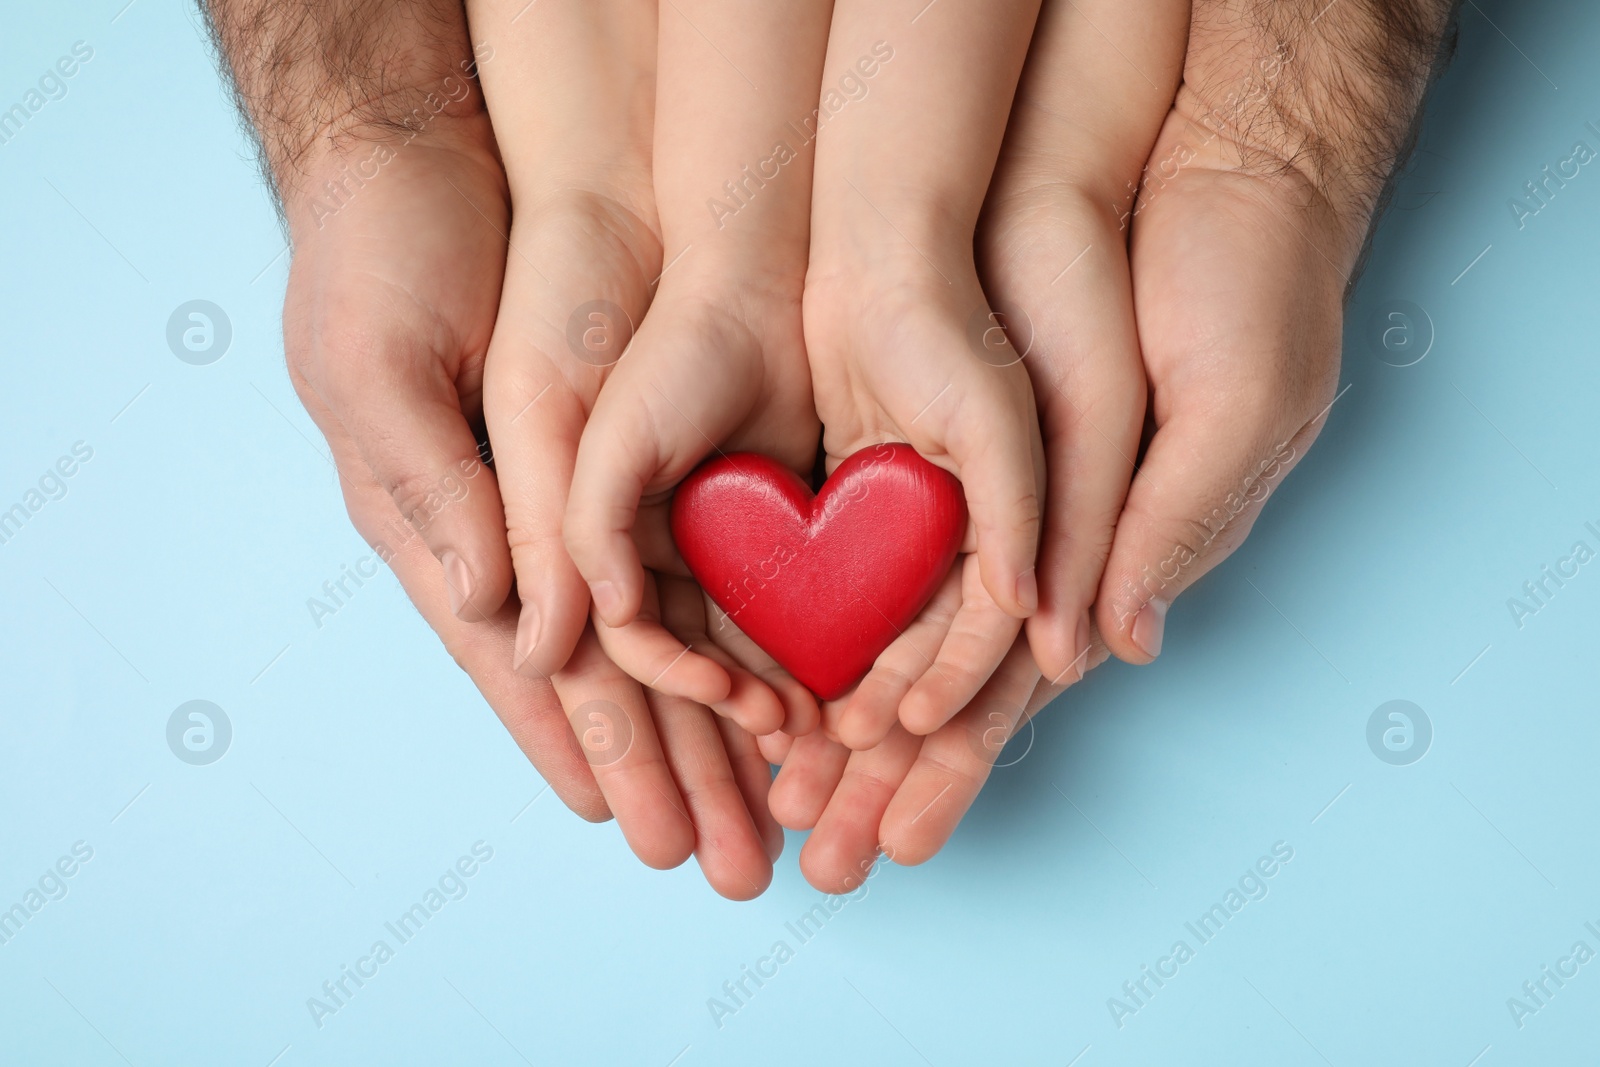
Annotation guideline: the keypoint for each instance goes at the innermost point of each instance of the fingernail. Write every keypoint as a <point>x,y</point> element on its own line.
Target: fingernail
<point>527,636</point>
<point>607,601</point>
<point>1148,626</point>
<point>458,579</point>
<point>1028,591</point>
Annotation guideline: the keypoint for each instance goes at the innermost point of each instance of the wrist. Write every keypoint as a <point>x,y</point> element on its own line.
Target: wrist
<point>761,248</point>
<point>743,231</point>
<point>895,235</point>
<point>445,111</point>
<point>336,174</point>
<point>1332,101</point>
<point>735,275</point>
<point>342,73</point>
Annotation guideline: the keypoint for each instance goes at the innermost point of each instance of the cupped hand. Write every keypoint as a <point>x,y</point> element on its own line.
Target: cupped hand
<point>1053,257</point>
<point>1052,252</point>
<point>892,359</point>
<point>570,89</point>
<point>718,366</point>
<point>1268,169</point>
<point>390,304</point>
<point>678,780</point>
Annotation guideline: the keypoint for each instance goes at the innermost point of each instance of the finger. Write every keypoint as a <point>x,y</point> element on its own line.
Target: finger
<point>730,850</point>
<point>649,653</point>
<point>1000,461</point>
<point>1087,371</point>
<point>865,716</point>
<point>753,773</point>
<point>810,773</point>
<point>529,708</point>
<point>845,843</point>
<point>646,432</point>
<point>1196,497</point>
<point>1092,399</point>
<point>801,713</point>
<point>535,420</point>
<point>617,733</point>
<point>775,747</point>
<point>397,404</point>
<point>978,640</point>
<point>953,763</point>
<point>750,702</point>
<point>1048,689</point>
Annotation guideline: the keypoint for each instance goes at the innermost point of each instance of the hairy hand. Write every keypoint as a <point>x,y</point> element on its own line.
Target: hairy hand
<point>314,78</point>
<point>1246,233</point>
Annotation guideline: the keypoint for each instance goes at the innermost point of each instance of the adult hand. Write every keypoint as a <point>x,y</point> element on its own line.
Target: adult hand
<point>387,317</point>
<point>371,129</point>
<point>400,266</point>
<point>905,797</point>
<point>1248,227</point>
<point>1228,237</point>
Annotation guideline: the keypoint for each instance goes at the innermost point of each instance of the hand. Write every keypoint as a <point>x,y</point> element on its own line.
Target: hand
<point>892,296</point>
<point>720,362</point>
<point>571,88</point>
<point>1053,255</point>
<point>1265,177</point>
<point>427,233</point>
<point>1054,262</point>
<point>904,798</point>
<point>715,366</point>
<point>399,288</point>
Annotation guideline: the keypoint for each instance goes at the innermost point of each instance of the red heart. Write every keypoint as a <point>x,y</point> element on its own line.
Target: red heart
<point>822,583</point>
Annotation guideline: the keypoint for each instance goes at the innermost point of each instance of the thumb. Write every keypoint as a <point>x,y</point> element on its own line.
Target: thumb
<point>652,423</point>
<point>401,409</point>
<point>1201,486</point>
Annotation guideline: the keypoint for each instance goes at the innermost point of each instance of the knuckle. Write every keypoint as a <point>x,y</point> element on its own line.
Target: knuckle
<point>533,547</point>
<point>876,782</point>
<point>954,766</point>
<point>419,496</point>
<point>892,677</point>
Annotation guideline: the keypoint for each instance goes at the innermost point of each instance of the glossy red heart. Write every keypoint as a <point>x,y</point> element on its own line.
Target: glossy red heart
<point>823,584</point>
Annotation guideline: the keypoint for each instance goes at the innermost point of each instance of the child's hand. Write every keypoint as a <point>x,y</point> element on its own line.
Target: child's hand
<point>572,90</point>
<point>886,370</point>
<point>720,369</point>
<point>903,345</point>
<point>1053,252</point>
<point>720,362</point>
<point>572,87</point>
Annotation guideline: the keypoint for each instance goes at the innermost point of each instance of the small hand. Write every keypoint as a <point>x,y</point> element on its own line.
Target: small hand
<point>1053,250</point>
<point>720,362</point>
<point>897,321</point>
<point>710,369</point>
<point>892,359</point>
<point>570,87</point>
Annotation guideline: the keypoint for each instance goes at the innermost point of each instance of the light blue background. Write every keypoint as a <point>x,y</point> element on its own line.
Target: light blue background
<point>363,763</point>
